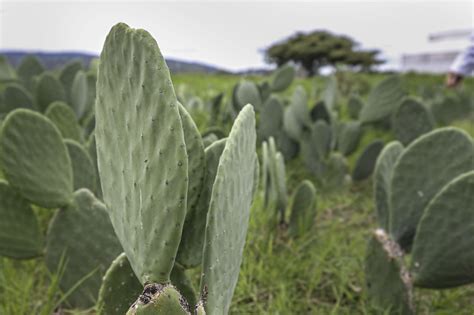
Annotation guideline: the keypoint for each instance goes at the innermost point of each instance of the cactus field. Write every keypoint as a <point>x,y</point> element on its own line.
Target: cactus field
<point>129,190</point>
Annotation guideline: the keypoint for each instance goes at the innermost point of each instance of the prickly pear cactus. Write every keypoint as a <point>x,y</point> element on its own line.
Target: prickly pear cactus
<point>65,120</point>
<point>411,120</point>
<point>192,239</point>
<point>29,68</point>
<point>383,100</point>
<point>365,164</point>
<point>320,112</point>
<point>349,137</point>
<point>382,178</point>
<point>389,284</point>
<point>228,215</point>
<point>15,96</point>
<point>282,78</point>
<point>442,250</point>
<point>48,90</point>
<point>83,235</point>
<point>141,151</point>
<point>83,169</point>
<point>120,287</point>
<point>302,209</point>
<point>79,93</point>
<point>20,235</point>
<point>439,156</point>
<point>271,119</point>
<point>35,160</point>
<point>354,106</point>
<point>159,299</point>
<point>247,93</point>
<point>67,75</point>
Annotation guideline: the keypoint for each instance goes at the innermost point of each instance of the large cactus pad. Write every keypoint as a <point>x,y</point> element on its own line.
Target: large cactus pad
<point>228,215</point>
<point>141,151</point>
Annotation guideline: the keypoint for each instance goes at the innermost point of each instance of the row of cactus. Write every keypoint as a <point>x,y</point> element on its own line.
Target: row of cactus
<point>173,204</point>
<point>424,209</point>
<point>275,195</point>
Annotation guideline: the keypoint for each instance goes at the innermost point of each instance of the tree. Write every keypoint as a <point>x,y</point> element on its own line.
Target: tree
<point>321,48</point>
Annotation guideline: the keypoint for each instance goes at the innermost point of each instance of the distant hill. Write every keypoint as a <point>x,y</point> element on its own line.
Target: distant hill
<point>53,60</point>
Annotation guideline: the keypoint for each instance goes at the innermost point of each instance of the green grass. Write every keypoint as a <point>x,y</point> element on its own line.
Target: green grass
<point>321,272</point>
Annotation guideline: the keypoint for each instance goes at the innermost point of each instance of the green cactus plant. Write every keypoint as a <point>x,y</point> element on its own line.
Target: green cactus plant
<point>29,68</point>
<point>65,120</point>
<point>282,78</point>
<point>354,106</point>
<point>302,209</point>
<point>271,119</point>
<point>83,168</point>
<point>411,120</point>
<point>35,160</point>
<point>48,90</point>
<point>418,220</point>
<point>383,100</point>
<point>247,93</point>
<point>365,163</point>
<point>20,235</point>
<point>79,94</point>
<point>348,137</point>
<point>15,96</point>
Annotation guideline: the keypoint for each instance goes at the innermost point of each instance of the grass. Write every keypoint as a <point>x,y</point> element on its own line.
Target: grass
<point>321,272</point>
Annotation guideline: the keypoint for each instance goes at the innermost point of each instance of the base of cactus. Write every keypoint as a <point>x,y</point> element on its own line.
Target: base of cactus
<point>159,299</point>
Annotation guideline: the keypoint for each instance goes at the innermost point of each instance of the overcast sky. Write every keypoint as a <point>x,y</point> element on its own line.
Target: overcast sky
<point>232,34</point>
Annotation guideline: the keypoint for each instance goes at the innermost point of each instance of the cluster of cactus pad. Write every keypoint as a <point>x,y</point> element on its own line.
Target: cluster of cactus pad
<point>173,204</point>
<point>425,209</point>
<point>274,190</point>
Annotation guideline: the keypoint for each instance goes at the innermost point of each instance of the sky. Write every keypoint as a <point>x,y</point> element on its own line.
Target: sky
<point>233,34</point>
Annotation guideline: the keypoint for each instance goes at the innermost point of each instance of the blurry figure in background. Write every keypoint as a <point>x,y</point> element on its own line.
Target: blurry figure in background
<point>462,66</point>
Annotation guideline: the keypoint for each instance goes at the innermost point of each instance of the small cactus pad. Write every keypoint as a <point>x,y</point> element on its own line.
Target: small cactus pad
<point>120,287</point>
<point>388,281</point>
<point>84,235</point>
<point>411,120</point>
<point>282,78</point>
<point>141,151</point>
<point>157,299</point>
<point>182,282</point>
<point>67,75</point>
<point>365,164</point>
<point>192,239</point>
<point>271,119</point>
<point>64,118</point>
<point>349,137</point>
<point>443,255</point>
<point>383,100</point>
<point>79,94</point>
<point>48,90</point>
<point>247,93</point>
<point>228,216</point>
<point>35,160</point>
<point>196,157</point>
<point>439,156</point>
<point>20,235</point>
<point>354,106</point>
<point>29,68</point>
<point>302,209</point>
<point>382,178</point>
<point>83,169</point>
<point>15,96</point>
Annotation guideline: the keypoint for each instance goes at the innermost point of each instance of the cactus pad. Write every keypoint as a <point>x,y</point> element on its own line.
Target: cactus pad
<point>247,93</point>
<point>192,239</point>
<point>64,118</point>
<point>349,137</point>
<point>383,100</point>
<point>271,119</point>
<point>439,156</point>
<point>411,120</point>
<point>228,216</point>
<point>382,179</point>
<point>141,151</point>
<point>37,163</point>
<point>157,299</point>
<point>389,284</point>
<point>83,169</point>
<point>302,209</point>
<point>82,233</point>
<point>365,164</point>
<point>120,287</point>
<point>442,251</point>
<point>79,93</point>
<point>15,96</point>
<point>48,90</point>
<point>282,78</point>
<point>20,235</point>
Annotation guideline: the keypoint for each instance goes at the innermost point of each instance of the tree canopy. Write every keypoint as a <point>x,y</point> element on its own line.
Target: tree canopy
<point>321,48</point>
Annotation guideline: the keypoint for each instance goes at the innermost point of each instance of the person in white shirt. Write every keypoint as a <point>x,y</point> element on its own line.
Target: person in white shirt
<point>462,66</point>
